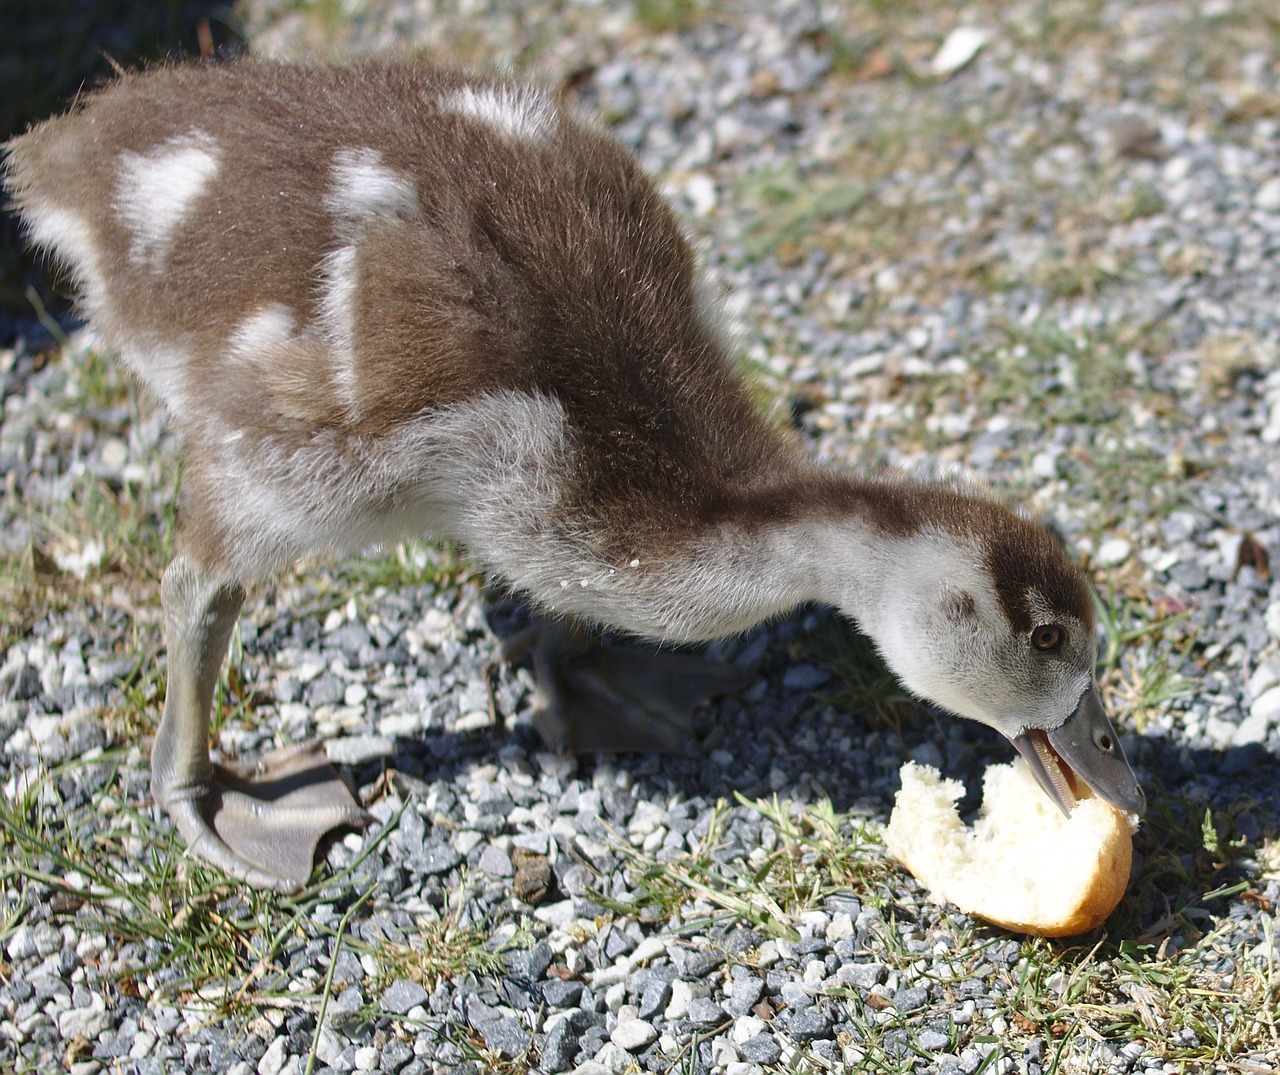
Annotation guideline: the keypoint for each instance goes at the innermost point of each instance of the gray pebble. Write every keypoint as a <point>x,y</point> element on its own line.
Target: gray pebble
<point>796,995</point>
<point>505,1036</point>
<point>934,1041</point>
<point>911,998</point>
<point>561,994</point>
<point>810,1024</point>
<point>744,994</point>
<point>760,1049</point>
<point>326,689</point>
<point>805,677</point>
<point>394,1056</point>
<point>862,975</point>
<point>435,858</point>
<point>705,1013</point>
<point>402,995</point>
<point>654,998</point>
<point>495,862</point>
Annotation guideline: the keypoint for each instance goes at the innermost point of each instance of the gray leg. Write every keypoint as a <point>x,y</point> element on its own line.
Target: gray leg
<point>618,698</point>
<point>258,824</point>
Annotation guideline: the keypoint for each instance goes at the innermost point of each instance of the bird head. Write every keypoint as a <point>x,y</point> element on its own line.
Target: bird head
<point>986,616</point>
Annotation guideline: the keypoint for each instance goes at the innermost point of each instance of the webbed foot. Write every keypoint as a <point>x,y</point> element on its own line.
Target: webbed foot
<point>258,823</point>
<point>613,698</point>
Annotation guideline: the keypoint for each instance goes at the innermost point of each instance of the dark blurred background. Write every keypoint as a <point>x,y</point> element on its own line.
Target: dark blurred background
<point>49,51</point>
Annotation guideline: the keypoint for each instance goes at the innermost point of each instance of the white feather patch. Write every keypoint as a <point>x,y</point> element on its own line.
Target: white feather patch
<point>70,238</point>
<point>263,329</point>
<point>338,280</point>
<point>517,112</point>
<point>162,367</point>
<point>156,191</point>
<point>363,190</point>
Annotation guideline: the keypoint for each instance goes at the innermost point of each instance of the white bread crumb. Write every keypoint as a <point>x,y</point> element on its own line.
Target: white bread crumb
<point>1022,864</point>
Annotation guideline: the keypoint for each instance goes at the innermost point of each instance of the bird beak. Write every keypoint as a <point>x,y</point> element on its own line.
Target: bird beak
<point>1084,745</point>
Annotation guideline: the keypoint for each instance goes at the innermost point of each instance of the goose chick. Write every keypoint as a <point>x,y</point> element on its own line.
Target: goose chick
<point>385,299</point>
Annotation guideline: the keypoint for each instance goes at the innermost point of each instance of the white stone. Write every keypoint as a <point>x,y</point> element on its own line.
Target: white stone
<point>841,927</point>
<point>1114,551</point>
<point>647,949</point>
<point>611,975</point>
<point>816,922</point>
<point>143,1042</point>
<point>273,1059</point>
<point>614,1058</point>
<point>1272,619</point>
<point>477,720</point>
<point>1044,465</point>
<point>959,49</point>
<point>633,1035</point>
<point>1263,713</point>
<point>113,454</point>
<point>701,191</point>
<point>746,1027</point>
<point>358,749</point>
<point>681,993</point>
<point>1264,677</point>
<point>724,1052</point>
<point>367,1058</point>
<point>89,1023</point>
<point>328,1046</point>
<point>79,560</point>
<point>1268,196</point>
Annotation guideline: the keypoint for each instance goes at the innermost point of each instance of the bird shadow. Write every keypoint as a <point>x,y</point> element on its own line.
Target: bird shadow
<point>1212,817</point>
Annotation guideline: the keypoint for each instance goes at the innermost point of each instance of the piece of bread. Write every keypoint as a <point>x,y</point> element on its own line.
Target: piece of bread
<point>1022,865</point>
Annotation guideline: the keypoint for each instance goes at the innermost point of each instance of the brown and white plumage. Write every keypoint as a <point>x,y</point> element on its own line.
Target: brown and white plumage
<point>382,299</point>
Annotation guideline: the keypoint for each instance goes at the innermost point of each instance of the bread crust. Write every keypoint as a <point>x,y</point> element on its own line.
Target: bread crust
<point>1022,865</point>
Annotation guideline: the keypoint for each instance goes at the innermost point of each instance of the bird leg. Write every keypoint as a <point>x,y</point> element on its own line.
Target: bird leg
<point>615,698</point>
<point>258,823</point>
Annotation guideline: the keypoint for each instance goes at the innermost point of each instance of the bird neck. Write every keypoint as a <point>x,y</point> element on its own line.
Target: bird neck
<point>863,546</point>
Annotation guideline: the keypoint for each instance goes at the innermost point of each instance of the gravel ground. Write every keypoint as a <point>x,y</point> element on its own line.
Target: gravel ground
<point>1037,243</point>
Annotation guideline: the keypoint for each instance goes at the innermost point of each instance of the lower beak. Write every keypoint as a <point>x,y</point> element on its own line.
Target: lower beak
<point>1087,746</point>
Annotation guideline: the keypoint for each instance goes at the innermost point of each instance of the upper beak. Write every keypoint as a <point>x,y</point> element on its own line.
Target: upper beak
<point>1089,747</point>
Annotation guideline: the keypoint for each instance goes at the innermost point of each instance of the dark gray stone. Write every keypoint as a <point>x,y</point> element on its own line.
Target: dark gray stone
<point>744,995</point>
<point>862,975</point>
<point>911,998</point>
<point>618,943</point>
<point>655,998</point>
<point>705,1013</point>
<point>810,1024</point>
<point>326,689</point>
<point>531,964</point>
<point>504,1036</point>
<point>561,994</point>
<point>761,1049</point>
<point>402,995</point>
<point>434,859</point>
<point>560,1046</point>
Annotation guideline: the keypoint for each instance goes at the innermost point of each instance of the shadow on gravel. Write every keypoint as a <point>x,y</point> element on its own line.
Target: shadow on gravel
<point>1195,856</point>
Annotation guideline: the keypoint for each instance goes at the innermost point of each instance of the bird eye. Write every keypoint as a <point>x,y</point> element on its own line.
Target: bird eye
<point>1048,637</point>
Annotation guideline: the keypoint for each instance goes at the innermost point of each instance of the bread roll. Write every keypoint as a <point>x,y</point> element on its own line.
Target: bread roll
<point>1022,865</point>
